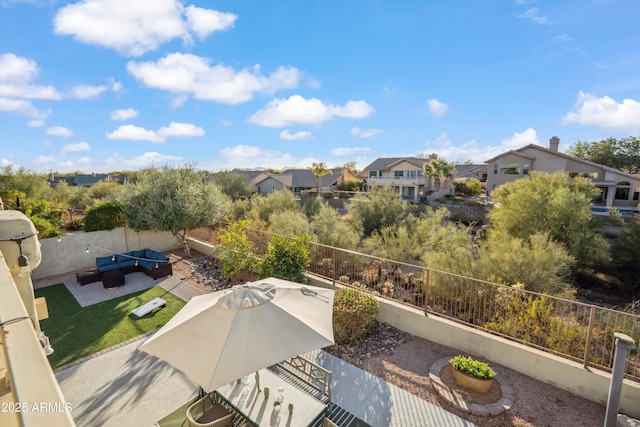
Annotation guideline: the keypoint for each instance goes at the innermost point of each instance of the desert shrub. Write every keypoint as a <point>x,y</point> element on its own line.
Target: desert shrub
<point>533,320</point>
<point>470,188</point>
<point>349,185</point>
<point>76,224</point>
<point>289,222</point>
<point>104,216</point>
<point>286,258</point>
<point>312,207</point>
<point>353,314</point>
<point>275,202</point>
<point>234,250</point>
<point>327,195</point>
<point>44,227</point>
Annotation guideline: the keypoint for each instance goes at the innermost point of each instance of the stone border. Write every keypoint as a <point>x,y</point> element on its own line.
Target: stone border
<point>483,410</point>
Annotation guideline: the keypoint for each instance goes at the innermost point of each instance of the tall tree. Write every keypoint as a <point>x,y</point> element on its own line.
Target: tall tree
<point>554,204</point>
<point>173,199</point>
<point>439,169</point>
<point>319,170</point>
<point>232,184</point>
<point>623,154</point>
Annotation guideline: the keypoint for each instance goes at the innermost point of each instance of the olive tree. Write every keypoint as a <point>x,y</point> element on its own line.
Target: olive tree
<point>172,199</point>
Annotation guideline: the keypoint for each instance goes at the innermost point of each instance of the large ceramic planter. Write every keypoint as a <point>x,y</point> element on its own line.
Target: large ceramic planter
<point>471,383</point>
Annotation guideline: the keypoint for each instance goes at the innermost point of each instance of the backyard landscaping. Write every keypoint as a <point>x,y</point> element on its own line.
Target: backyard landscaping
<point>76,332</point>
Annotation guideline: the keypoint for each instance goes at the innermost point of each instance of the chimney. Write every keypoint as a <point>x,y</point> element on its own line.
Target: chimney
<point>553,143</point>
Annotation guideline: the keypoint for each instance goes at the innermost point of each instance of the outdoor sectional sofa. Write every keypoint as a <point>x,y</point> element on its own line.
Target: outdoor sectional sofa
<point>150,262</point>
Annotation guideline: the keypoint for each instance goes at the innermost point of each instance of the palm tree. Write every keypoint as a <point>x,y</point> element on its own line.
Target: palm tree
<point>319,170</point>
<point>439,169</point>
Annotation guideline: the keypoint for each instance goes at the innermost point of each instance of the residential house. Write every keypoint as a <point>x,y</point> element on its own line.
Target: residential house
<point>617,188</point>
<point>405,175</point>
<point>300,180</point>
<point>85,180</point>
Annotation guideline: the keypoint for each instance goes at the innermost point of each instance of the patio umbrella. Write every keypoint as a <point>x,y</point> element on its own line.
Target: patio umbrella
<point>219,337</point>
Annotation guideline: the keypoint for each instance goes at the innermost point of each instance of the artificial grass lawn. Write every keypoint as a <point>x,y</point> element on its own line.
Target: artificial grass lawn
<point>76,332</point>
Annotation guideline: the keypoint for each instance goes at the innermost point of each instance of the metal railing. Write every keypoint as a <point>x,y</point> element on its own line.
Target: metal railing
<point>570,329</point>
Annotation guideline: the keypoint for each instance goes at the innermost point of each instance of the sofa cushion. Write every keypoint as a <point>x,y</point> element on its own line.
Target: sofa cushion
<point>149,254</point>
<point>129,262</point>
<point>122,258</point>
<point>138,254</point>
<point>147,264</point>
<point>160,256</point>
<point>108,267</point>
<point>104,260</point>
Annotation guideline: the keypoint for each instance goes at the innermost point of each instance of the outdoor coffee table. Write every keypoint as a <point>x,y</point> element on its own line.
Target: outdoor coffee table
<point>113,278</point>
<point>254,406</point>
<point>85,277</point>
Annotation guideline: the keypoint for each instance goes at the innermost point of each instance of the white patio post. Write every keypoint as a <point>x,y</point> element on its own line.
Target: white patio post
<point>623,344</point>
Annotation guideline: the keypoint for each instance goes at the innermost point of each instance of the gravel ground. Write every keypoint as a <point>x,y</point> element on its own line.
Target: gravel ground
<point>405,360</point>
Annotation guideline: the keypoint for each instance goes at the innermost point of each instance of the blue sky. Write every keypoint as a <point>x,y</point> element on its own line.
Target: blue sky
<point>104,85</point>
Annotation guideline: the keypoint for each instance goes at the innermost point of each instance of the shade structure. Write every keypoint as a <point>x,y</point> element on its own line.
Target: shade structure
<point>219,337</point>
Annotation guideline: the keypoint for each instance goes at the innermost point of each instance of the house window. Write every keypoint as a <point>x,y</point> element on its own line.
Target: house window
<point>525,169</point>
<point>590,175</point>
<point>373,174</point>
<point>636,194</point>
<point>510,170</point>
<point>398,174</point>
<point>622,190</point>
<point>495,169</point>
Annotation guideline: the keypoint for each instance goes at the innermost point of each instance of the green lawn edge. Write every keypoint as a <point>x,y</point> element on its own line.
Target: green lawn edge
<point>77,332</point>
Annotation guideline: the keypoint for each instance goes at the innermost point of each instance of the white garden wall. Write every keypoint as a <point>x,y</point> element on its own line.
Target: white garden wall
<point>69,254</point>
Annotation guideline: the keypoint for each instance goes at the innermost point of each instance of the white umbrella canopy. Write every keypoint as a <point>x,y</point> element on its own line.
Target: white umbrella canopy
<point>219,337</point>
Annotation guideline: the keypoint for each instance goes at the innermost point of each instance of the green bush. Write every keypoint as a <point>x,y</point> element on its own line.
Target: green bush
<point>287,258</point>
<point>44,227</point>
<point>353,314</point>
<point>104,216</point>
<point>76,224</point>
<point>473,367</point>
<point>235,250</point>
<point>349,185</point>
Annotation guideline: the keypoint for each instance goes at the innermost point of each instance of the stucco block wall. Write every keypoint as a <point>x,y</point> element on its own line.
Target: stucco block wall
<point>70,253</point>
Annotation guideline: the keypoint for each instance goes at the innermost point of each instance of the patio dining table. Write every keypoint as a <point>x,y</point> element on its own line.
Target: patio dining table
<point>251,402</point>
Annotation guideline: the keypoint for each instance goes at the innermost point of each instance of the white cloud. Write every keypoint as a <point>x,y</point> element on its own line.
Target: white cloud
<point>124,114</point>
<point>16,74</point>
<point>298,136</point>
<point>313,83</point>
<point>437,108</point>
<point>205,21</point>
<point>45,159</point>
<point>35,123</point>
<point>17,69</point>
<point>187,74</point>
<point>5,162</point>
<point>60,131</point>
<point>136,133</point>
<point>445,147</point>
<point>282,112</point>
<point>74,148</point>
<point>365,133</point>
<point>534,15</point>
<point>248,156</point>
<point>23,107</point>
<point>94,91</point>
<point>348,151</point>
<point>605,112</point>
<point>180,130</point>
<point>135,27</point>
<point>87,91</point>
<point>116,161</point>
<point>226,122</point>
<point>520,139</point>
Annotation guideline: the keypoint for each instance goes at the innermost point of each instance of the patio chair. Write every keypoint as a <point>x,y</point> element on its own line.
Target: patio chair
<point>205,413</point>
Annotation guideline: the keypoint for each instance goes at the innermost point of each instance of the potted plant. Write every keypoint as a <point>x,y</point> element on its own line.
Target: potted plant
<point>472,374</point>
